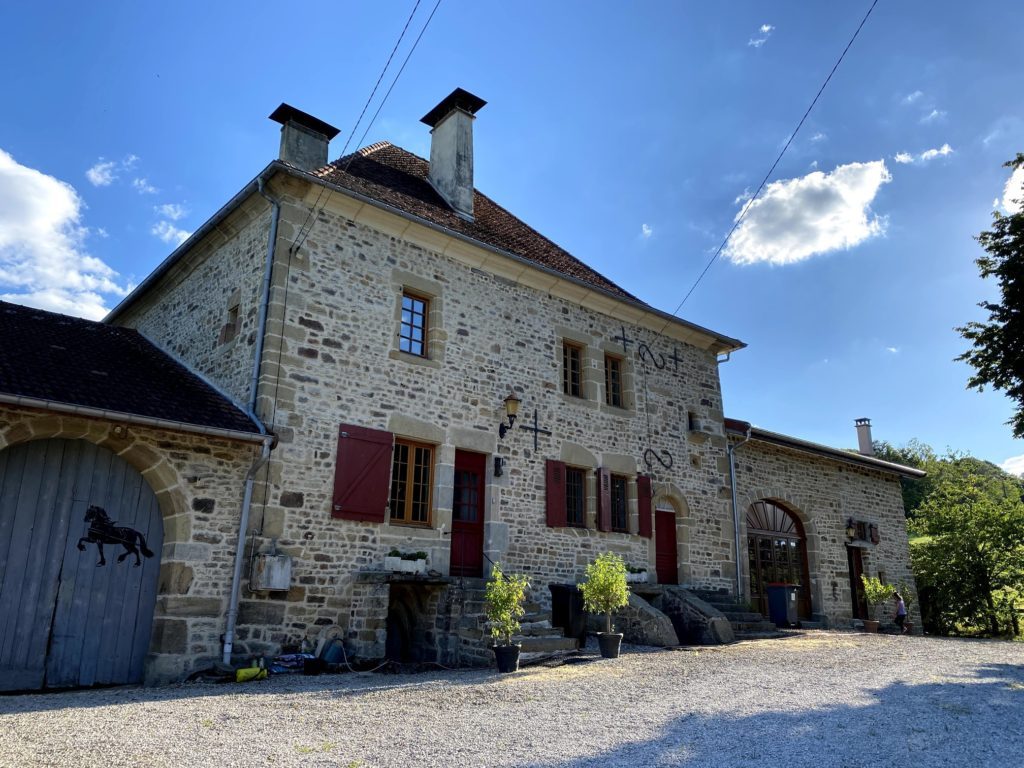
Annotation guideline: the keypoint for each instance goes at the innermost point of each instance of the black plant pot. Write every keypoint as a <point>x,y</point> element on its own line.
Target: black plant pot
<point>507,657</point>
<point>609,643</point>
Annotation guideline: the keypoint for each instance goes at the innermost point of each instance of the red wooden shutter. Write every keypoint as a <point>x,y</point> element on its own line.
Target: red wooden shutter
<point>554,493</point>
<point>604,499</point>
<point>362,474</point>
<point>643,504</point>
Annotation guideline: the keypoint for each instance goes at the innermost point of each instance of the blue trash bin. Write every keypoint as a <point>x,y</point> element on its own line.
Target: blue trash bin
<point>782,604</point>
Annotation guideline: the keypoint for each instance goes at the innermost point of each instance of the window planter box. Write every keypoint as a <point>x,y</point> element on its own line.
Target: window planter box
<point>637,578</point>
<point>398,565</point>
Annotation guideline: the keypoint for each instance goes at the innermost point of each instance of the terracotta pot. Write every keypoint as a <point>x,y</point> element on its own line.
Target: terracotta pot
<point>609,642</point>
<point>870,625</point>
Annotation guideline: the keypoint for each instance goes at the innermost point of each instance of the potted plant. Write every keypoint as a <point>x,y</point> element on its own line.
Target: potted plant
<point>604,591</point>
<point>876,593</point>
<point>504,606</point>
<point>636,575</point>
<point>406,562</point>
<point>393,561</point>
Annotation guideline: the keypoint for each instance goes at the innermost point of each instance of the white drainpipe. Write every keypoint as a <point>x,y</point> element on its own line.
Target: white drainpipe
<point>268,442</point>
<point>731,450</point>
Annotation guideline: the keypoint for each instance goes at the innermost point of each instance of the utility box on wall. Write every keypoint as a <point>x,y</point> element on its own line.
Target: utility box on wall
<point>271,572</point>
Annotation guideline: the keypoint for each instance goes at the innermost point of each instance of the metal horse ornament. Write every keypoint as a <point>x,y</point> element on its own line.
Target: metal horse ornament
<point>103,531</point>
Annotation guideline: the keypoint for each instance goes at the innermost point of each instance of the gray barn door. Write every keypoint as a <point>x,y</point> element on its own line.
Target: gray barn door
<point>64,621</point>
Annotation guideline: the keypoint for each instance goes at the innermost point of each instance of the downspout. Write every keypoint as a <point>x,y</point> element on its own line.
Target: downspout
<point>731,450</point>
<point>268,441</point>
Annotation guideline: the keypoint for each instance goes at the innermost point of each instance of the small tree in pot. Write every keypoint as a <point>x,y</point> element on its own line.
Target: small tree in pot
<point>604,591</point>
<point>876,593</point>
<point>504,605</point>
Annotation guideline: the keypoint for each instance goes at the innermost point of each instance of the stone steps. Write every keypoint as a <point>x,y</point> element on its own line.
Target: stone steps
<point>545,643</point>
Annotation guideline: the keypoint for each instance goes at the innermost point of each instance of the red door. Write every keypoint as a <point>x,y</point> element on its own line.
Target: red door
<point>666,557</point>
<point>467,556</point>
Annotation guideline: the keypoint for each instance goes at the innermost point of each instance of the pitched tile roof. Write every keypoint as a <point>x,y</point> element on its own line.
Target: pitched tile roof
<point>398,178</point>
<point>67,360</point>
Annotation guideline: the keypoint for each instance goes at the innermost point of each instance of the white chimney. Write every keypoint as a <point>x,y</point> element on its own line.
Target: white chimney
<point>304,138</point>
<point>864,443</point>
<point>451,149</point>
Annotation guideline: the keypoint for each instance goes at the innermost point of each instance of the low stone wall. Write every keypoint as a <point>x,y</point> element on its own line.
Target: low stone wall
<point>696,622</point>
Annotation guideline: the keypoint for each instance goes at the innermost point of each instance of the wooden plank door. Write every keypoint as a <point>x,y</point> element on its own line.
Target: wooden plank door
<point>665,554</point>
<point>467,553</point>
<point>856,565</point>
<point>69,621</point>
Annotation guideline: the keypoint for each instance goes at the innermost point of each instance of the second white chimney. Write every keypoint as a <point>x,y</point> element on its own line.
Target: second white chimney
<point>865,446</point>
<point>451,149</point>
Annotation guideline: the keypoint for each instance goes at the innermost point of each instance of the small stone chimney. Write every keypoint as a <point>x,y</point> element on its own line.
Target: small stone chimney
<point>304,138</point>
<point>864,444</point>
<point>451,149</point>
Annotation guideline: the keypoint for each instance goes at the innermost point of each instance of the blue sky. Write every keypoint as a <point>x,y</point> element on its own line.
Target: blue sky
<point>626,132</point>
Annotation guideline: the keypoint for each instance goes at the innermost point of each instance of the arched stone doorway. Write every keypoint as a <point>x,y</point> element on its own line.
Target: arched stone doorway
<point>71,615</point>
<point>776,553</point>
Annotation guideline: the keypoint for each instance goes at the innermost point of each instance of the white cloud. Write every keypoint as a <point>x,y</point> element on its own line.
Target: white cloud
<point>934,115</point>
<point>814,164</point>
<point>819,136</point>
<point>743,196</point>
<point>931,154</point>
<point>1014,465</point>
<point>765,31</point>
<point>646,231</point>
<point>892,350</point>
<point>129,162</point>
<point>906,158</point>
<point>101,232</point>
<point>910,98</point>
<point>43,262</point>
<point>102,173</point>
<point>172,211</point>
<point>795,219</point>
<point>143,187</point>
<point>1013,192</point>
<point>170,233</point>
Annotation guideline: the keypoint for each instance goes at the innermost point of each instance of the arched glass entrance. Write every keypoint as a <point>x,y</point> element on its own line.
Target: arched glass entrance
<point>777,554</point>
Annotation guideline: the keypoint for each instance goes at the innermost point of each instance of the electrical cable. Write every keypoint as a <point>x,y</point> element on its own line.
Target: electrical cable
<point>366,105</point>
<point>301,237</point>
<point>764,181</point>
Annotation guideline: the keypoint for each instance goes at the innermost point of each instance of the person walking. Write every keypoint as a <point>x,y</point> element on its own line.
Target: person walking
<point>901,613</point>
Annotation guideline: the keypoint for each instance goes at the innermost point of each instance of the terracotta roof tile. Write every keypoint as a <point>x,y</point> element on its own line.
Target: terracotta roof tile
<point>69,360</point>
<point>398,178</point>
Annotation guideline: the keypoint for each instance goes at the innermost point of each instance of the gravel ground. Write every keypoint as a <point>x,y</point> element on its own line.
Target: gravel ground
<point>820,699</point>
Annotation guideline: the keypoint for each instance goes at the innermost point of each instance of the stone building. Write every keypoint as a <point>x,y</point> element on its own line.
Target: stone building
<point>407,366</point>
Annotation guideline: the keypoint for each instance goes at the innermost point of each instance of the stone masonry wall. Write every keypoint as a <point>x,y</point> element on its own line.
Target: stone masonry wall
<point>205,312</point>
<point>198,482</point>
<point>340,363</point>
<point>823,494</point>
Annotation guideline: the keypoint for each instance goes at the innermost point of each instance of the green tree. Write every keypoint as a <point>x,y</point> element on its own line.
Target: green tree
<point>919,456</point>
<point>997,352</point>
<point>968,549</point>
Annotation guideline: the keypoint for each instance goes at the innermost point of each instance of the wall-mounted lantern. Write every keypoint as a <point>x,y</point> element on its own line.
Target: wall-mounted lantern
<point>511,409</point>
<point>851,528</point>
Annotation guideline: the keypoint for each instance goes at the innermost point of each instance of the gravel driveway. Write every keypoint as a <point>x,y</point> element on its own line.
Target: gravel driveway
<point>820,699</point>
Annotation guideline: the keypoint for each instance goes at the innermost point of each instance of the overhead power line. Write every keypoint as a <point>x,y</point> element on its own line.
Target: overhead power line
<point>767,176</point>
<point>314,211</point>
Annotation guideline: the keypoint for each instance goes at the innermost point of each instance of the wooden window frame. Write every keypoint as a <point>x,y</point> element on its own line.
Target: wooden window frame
<point>568,347</point>
<point>620,504</point>
<point>571,520</point>
<point>407,339</point>
<point>405,505</point>
<point>614,394</point>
